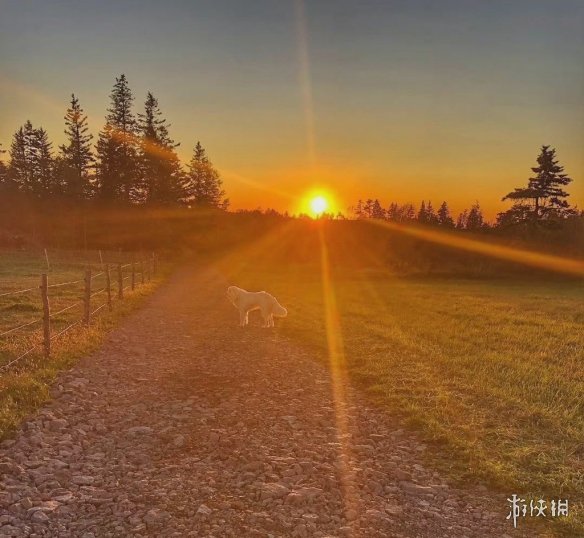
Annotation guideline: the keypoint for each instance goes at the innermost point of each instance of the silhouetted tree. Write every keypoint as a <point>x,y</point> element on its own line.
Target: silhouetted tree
<point>444,218</point>
<point>544,192</point>
<point>462,220</point>
<point>431,217</point>
<point>117,165</point>
<point>393,212</point>
<point>31,167</point>
<point>203,186</point>
<point>422,215</point>
<point>358,210</point>
<point>160,167</point>
<point>377,212</point>
<point>76,160</point>
<point>475,220</point>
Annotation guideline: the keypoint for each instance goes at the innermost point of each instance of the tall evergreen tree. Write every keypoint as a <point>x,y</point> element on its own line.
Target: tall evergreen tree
<point>203,186</point>
<point>377,212</point>
<point>444,218</point>
<point>45,181</point>
<point>475,219</point>
<point>162,177</point>
<point>544,192</point>
<point>431,217</point>
<point>462,220</point>
<point>77,159</point>
<point>31,167</point>
<point>117,147</point>
<point>422,214</point>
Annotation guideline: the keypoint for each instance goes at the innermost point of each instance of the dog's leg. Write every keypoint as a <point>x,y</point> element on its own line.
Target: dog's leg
<point>242,318</point>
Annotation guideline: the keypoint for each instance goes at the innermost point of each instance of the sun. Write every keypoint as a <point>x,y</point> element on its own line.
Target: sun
<point>318,205</point>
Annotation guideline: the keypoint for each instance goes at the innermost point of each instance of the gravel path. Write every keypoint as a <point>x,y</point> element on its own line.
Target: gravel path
<point>183,424</point>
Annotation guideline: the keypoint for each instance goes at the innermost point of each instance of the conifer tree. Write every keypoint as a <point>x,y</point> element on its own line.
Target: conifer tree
<point>431,217</point>
<point>475,220</point>
<point>76,160</point>
<point>422,215</point>
<point>45,182</point>
<point>160,168</point>
<point>462,220</point>
<point>203,186</point>
<point>393,211</point>
<point>117,147</point>
<point>544,193</point>
<point>444,218</point>
<point>31,167</point>
<point>377,212</point>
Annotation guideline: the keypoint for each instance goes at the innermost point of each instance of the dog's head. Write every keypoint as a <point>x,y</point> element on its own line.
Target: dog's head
<point>233,294</point>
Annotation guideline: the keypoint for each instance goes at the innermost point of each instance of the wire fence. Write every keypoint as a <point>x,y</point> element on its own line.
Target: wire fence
<point>112,279</point>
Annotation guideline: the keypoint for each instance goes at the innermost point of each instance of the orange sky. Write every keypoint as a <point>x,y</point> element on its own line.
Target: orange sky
<point>403,100</point>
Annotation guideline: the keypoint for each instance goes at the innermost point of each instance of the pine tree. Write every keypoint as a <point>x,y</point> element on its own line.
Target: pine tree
<point>76,160</point>
<point>31,167</point>
<point>21,162</point>
<point>393,212</point>
<point>117,165</point>
<point>474,220</point>
<point>544,192</point>
<point>203,186</point>
<point>45,183</point>
<point>377,212</point>
<point>408,212</point>
<point>462,220</point>
<point>444,218</point>
<point>422,215</point>
<point>431,217</point>
<point>160,168</point>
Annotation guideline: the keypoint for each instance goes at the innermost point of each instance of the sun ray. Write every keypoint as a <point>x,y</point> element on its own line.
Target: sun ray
<point>525,257</point>
<point>338,373</point>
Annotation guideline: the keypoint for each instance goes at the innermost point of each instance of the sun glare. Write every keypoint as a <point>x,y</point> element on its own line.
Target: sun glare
<point>318,205</point>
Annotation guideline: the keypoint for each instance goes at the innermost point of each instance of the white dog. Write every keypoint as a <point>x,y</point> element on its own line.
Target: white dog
<point>246,301</point>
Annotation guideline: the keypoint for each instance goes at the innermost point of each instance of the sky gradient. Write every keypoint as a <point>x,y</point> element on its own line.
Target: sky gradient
<point>397,99</point>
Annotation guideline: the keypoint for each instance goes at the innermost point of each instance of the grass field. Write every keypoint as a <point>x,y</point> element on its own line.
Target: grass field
<point>490,372</point>
<point>25,385</point>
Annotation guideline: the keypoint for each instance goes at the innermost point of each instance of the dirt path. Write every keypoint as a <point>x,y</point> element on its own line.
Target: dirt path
<point>185,425</point>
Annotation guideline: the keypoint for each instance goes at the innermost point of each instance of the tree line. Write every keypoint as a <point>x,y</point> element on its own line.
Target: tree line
<point>543,201</point>
<point>133,161</point>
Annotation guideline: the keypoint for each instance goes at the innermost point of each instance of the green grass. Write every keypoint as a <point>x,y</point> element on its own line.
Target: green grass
<point>490,373</point>
<point>25,385</point>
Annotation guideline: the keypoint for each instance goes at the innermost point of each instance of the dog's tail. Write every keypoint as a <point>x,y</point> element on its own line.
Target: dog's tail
<point>278,310</point>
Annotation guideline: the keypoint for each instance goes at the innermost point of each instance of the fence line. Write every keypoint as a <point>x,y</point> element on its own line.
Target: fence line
<point>151,267</point>
<point>18,292</point>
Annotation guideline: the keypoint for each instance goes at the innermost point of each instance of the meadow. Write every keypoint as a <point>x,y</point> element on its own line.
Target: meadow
<point>25,384</point>
<point>488,370</point>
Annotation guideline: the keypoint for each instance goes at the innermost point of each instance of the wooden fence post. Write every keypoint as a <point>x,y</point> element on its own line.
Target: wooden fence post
<point>142,270</point>
<point>47,258</point>
<point>108,287</point>
<point>46,315</point>
<point>87,297</point>
<point>120,282</point>
<point>133,276</point>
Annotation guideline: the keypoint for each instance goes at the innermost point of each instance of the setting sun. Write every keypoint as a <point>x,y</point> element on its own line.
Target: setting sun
<point>318,205</point>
